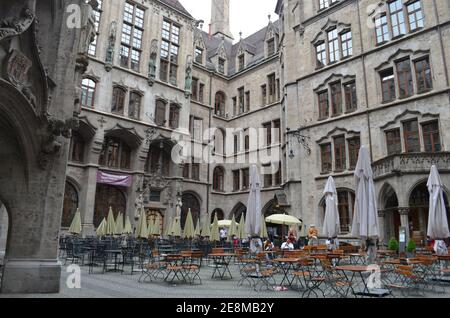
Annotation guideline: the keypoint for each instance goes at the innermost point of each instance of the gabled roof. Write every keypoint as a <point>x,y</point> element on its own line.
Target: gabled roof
<point>176,5</point>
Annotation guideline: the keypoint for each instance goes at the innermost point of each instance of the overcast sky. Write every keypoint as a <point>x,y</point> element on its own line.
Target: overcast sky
<point>247,16</point>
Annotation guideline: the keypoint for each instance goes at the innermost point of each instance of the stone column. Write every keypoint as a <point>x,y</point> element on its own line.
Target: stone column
<point>404,219</point>
<point>87,201</point>
<point>382,225</point>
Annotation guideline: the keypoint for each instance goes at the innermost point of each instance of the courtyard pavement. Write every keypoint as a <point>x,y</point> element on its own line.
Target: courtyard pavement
<point>116,285</point>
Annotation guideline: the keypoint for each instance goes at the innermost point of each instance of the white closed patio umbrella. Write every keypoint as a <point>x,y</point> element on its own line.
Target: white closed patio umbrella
<point>119,224</point>
<point>110,223</point>
<point>142,229</point>
<point>75,226</point>
<point>331,222</point>
<point>365,219</point>
<point>128,229</point>
<point>253,218</point>
<point>437,221</point>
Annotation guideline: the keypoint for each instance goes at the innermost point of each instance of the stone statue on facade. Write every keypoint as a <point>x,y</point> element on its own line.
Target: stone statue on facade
<point>152,63</point>
<point>111,45</point>
<point>188,78</point>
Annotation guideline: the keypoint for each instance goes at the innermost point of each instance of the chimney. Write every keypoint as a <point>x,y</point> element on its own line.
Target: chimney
<point>220,18</point>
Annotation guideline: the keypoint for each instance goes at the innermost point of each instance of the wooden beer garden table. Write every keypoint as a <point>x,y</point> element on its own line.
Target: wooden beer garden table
<point>221,263</point>
<point>286,265</point>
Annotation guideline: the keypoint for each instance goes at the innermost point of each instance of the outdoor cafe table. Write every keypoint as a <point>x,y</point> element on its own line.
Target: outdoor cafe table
<point>357,258</point>
<point>116,254</point>
<point>358,271</point>
<point>174,267</point>
<point>287,266</point>
<point>221,263</point>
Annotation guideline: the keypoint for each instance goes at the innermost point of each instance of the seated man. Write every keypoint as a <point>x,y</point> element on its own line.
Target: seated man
<point>313,235</point>
<point>287,245</point>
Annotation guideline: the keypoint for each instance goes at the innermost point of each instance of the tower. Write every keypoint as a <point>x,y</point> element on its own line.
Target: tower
<point>220,18</point>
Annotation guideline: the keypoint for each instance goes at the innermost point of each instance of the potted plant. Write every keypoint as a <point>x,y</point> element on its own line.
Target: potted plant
<point>411,248</point>
<point>393,245</point>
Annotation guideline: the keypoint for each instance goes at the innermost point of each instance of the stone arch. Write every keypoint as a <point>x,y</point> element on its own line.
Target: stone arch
<point>220,215</point>
<point>191,200</point>
<point>71,202</point>
<point>389,203</point>
<point>219,179</point>
<point>107,196</point>
<point>238,210</point>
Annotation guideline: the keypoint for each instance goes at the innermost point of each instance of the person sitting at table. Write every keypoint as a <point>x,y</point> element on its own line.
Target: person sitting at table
<point>313,235</point>
<point>268,245</point>
<point>287,245</point>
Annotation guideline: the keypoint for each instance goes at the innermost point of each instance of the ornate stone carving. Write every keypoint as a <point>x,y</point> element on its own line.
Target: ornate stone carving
<point>16,25</point>
<point>111,45</point>
<point>188,77</point>
<point>152,63</point>
<point>16,68</point>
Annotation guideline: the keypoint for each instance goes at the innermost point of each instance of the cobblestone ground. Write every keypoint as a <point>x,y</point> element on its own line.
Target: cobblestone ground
<point>116,285</point>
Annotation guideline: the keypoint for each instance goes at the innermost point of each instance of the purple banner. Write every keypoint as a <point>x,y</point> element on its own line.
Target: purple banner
<point>114,179</point>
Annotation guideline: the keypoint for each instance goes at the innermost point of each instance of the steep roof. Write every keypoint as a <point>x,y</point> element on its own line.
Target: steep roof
<point>176,5</point>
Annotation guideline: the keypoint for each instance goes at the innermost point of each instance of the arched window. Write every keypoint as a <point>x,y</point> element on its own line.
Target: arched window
<point>174,116</point>
<point>219,141</point>
<point>219,213</point>
<point>118,100</point>
<point>70,205</point>
<point>220,104</point>
<point>190,201</point>
<point>218,179</point>
<point>88,92</point>
<point>108,196</point>
<point>160,113</point>
<point>115,154</point>
<point>134,106</point>
<point>76,147</point>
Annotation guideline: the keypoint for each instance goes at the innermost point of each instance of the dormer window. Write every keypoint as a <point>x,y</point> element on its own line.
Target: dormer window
<point>241,62</point>
<point>199,55</point>
<point>221,67</point>
<point>271,47</point>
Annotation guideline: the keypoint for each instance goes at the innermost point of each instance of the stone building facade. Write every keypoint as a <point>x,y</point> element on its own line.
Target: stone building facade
<point>319,81</point>
<point>42,59</point>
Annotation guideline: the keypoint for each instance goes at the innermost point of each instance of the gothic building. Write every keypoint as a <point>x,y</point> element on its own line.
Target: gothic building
<point>325,78</point>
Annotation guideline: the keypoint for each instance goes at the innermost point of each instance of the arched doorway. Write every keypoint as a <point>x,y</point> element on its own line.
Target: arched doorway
<point>70,205</point>
<point>275,231</point>
<point>219,213</point>
<point>346,203</point>
<point>239,210</point>
<point>419,204</point>
<point>389,204</point>
<point>190,201</point>
<point>156,217</point>
<point>108,196</point>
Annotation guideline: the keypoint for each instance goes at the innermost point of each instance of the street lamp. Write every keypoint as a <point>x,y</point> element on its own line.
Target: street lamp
<point>302,139</point>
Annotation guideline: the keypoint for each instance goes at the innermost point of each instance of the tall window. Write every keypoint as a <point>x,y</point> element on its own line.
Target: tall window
<point>218,179</point>
<point>346,201</point>
<point>268,129</point>
<point>272,88</point>
<point>160,113</point>
<point>431,137</point>
<point>236,180</point>
<point>263,95</point>
<point>97,14</point>
<point>241,100</point>
<point>88,92</point>
<point>134,107</point>
<point>118,101</point>
<point>76,147</point>
<point>194,88</point>
<point>174,116</point>
<point>221,65</point>
<point>351,99</point>
<point>268,180</point>
<point>394,142</point>
<point>245,178</point>
<point>327,164</point>
<point>132,34</point>
<point>339,153</point>
<point>277,177</point>
<point>321,54</point>
<point>405,80</point>
<point>411,133</point>
<point>199,55</point>
<point>115,154</point>
<point>354,144</point>
<point>197,128</point>
<point>169,52</point>
<point>271,47</point>
<point>415,15</point>
<point>423,75</point>
<point>347,44</point>
<point>388,85</point>
<point>247,100</point>
<point>277,128</point>
<point>241,61</point>
<point>220,104</point>
<point>382,29</point>
<point>336,98</point>
<point>201,92</point>
<point>195,171</point>
<point>324,110</point>
<point>397,18</point>
<point>333,46</point>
